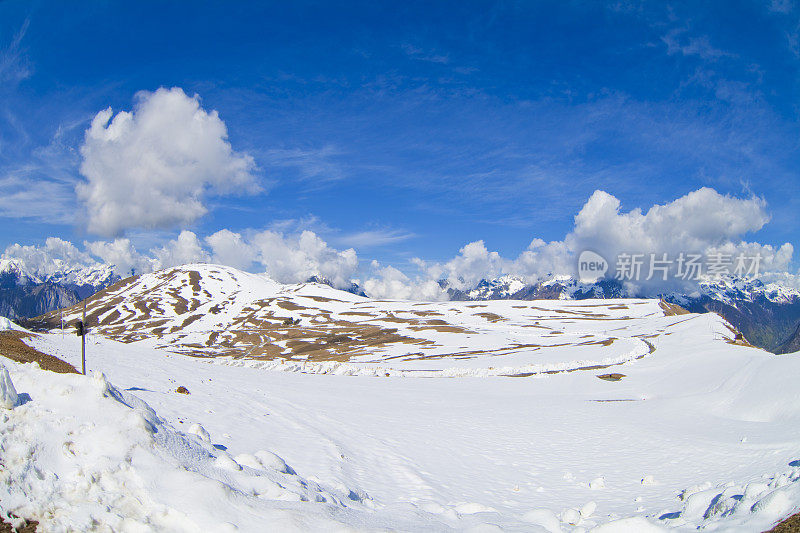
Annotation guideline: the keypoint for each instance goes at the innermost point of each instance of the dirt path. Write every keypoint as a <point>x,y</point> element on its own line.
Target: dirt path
<point>12,347</point>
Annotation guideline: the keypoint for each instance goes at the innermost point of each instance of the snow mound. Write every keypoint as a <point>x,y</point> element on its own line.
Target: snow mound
<point>82,452</point>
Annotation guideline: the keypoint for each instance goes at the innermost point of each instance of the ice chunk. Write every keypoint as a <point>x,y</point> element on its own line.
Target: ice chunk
<point>250,461</point>
<point>571,517</point>
<point>226,462</point>
<point>598,483</point>
<point>8,394</point>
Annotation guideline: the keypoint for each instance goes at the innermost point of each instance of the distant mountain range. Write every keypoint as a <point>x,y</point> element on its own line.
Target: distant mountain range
<point>25,294</point>
<point>768,315</point>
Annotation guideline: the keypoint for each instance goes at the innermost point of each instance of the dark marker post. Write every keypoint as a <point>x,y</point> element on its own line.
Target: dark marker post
<point>81,332</point>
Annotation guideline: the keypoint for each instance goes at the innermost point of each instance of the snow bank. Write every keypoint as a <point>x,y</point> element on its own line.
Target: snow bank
<point>83,453</point>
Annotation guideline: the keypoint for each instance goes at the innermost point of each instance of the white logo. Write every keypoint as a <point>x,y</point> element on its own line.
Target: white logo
<point>591,266</point>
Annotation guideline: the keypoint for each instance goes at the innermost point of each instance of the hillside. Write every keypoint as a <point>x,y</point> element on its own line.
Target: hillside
<point>207,310</point>
<point>767,314</point>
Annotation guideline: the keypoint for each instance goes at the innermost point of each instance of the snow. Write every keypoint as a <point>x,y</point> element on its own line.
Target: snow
<point>728,289</point>
<point>698,433</point>
<point>6,324</point>
<point>16,269</point>
<point>98,275</point>
<point>8,394</point>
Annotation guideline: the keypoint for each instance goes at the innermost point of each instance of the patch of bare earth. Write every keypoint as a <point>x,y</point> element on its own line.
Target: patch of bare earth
<point>672,309</point>
<point>790,525</point>
<point>29,527</point>
<point>12,347</point>
<point>611,377</point>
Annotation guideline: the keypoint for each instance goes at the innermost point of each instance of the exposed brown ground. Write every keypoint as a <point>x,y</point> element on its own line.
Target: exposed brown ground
<point>672,309</point>
<point>12,347</point>
<point>790,525</point>
<point>29,527</point>
<point>611,377</point>
<point>738,339</point>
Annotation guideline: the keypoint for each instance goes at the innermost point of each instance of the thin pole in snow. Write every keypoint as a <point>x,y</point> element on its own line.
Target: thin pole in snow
<point>83,342</point>
<point>61,317</point>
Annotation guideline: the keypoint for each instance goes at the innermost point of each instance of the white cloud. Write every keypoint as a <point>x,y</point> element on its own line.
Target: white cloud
<point>23,196</point>
<point>364,239</point>
<point>392,284</point>
<point>228,248</point>
<point>152,167</point>
<point>678,42</point>
<point>56,254</point>
<point>123,255</point>
<point>184,250</point>
<point>473,263</point>
<point>295,258</point>
<point>692,223</point>
<point>14,65</point>
<point>702,222</point>
<point>317,165</point>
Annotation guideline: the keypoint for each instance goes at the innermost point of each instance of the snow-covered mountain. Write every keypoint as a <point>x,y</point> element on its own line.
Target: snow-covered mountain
<point>13,273</point>
<point>25,293</point>
<point>85,280</point>
<point>211,310</point>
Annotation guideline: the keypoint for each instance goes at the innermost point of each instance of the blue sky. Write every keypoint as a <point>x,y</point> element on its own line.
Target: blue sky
<point>410,129</point>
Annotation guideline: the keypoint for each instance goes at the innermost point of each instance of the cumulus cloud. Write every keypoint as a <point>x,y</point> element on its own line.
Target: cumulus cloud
<point>390,283</point>
<point>703,222</point>
<point>692,223</point>
<point>292,259</point>
<point>181,251</point>
<point>123,255</point>
<point>154,166</point>
<point>228,248</point>
<point>473,263</point>
<point>56,254</point>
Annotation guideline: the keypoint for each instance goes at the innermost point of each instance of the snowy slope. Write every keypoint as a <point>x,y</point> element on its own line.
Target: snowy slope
<point>697,433</point>
<point>698,430</point>
<point>80,454</point>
